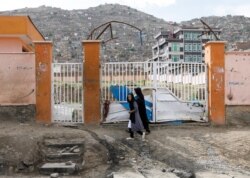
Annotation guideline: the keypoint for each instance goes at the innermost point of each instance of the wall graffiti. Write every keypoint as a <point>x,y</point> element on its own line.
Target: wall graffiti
<point>17,78</point>
<point>237,78</point>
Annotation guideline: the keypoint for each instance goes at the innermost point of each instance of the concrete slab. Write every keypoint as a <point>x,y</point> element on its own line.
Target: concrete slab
<point>156,173</point>
<point>64,156</point>
<point>127,174</point>
<point>63,143</point>
<point>218,175</point>
<point>49,168</point>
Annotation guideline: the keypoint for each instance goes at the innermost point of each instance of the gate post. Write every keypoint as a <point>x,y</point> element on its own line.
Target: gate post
<point>91,82</point>
<point>43,55</point>
<point>215,59</point>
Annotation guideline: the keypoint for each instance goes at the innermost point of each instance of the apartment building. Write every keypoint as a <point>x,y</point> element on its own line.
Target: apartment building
<point>184,44</point>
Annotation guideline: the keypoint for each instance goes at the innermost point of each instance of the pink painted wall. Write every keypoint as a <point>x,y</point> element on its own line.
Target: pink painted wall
<point>10,45</point>
<point>17,78</point>
<point>237,78</point>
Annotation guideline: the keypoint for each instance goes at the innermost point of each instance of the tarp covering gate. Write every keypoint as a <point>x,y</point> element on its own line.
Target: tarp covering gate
<point>173,90</point>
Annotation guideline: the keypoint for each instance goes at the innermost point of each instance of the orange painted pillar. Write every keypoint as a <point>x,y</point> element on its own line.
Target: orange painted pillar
<point>91,82</point>
<point>215,59</point>
<point>43,53</point>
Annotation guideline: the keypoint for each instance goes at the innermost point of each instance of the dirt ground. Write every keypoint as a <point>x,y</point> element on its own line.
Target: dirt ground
<point>170,151</point>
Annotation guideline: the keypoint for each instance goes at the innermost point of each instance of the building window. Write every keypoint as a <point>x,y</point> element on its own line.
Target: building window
<point>175,46</point>
<point>190,36</point>
<point>195,47</point>
<point>188,58</point>
<point>196,36</point>
<point>185,36</point>
<point>193,36</point>
<point>190,47</point>
<point>199,59</point>
<point>186,47</point>
<point>175,58</point>
<point>199,47</point>
<point>195,58</point>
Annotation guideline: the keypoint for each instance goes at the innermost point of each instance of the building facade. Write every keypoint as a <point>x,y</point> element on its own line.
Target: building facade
<point>184,44</point>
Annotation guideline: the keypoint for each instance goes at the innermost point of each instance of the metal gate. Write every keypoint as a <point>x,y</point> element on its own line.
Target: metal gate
<point>172,90</point>
<point>67,93</point>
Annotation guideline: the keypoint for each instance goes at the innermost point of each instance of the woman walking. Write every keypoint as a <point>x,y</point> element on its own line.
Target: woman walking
<point>142,108</point>
<point>135,119</point>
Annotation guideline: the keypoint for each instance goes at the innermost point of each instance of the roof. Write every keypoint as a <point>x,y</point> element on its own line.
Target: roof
<point>191,28</point>
<point>19,26</point>
<point>161,33</point>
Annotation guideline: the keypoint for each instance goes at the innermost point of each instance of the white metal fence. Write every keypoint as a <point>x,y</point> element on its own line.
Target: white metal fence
<point>187,81</point>
<point>67,93</point>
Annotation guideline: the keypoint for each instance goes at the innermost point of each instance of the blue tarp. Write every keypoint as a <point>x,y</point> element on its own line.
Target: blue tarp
<point>120,94</point>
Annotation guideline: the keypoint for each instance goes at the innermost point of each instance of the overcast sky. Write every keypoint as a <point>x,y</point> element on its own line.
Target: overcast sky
<point>170,10</point>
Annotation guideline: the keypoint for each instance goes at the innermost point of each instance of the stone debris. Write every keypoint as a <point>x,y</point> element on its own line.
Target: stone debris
<point>54,175</point>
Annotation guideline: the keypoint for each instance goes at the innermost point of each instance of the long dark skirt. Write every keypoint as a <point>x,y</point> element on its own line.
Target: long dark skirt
<point>137,125</point>
<point>143,113</point>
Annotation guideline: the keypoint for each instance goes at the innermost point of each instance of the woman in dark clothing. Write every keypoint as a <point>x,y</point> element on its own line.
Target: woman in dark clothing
<point>136,122</point>
<point>142,108</point>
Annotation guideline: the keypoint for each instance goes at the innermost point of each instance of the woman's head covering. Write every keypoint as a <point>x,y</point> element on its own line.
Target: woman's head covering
<point>131,103</point>
<point>139,93</point>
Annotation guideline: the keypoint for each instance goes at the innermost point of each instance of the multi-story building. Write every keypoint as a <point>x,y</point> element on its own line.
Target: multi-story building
<point>184,44</point>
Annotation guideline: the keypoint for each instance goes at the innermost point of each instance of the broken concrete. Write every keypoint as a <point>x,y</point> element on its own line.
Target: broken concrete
<point>62,168</point>
<point>64,156</point>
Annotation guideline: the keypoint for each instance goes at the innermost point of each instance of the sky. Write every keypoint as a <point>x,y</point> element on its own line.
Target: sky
<point>170,10</point>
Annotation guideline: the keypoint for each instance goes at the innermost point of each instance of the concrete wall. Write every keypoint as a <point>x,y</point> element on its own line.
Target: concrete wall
<point>20,113</point>
<point>10,45</point>
<point>237,78</point>
<point>238,115</point>
<point>237,81</point>
<point>17,79</point>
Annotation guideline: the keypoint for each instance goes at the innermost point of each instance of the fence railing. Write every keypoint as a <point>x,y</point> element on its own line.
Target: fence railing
<point>67,92</point>
<point>187,81</point>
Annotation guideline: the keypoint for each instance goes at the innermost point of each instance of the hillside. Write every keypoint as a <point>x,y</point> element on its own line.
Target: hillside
<point>68,28</point>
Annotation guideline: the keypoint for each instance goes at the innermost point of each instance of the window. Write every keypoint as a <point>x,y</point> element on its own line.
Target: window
<point>194,47</point>
<point>195,58</point>
<point>199,47</point>
<point>199,59</point>
<point>186,36</point>
<point>186,47</point>
<point>195,36</point>
<point>190,36</point>
<point>188,58</point>
<point>190,47</point>
<point>175,46</point>
<point>175,58</point>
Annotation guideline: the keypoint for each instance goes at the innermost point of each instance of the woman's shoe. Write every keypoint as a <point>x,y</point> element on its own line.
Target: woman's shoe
<point>129,138</point>
<point>143,136</point>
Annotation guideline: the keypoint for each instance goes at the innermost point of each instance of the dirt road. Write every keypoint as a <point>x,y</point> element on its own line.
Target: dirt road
<point>171,151</point>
